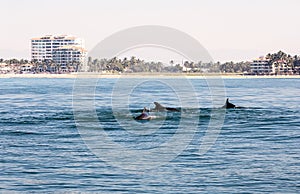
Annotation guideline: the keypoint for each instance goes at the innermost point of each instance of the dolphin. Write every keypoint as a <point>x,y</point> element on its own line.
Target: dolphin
<point>160,108</point>
<point>144,116</point>
<point>228,104</point>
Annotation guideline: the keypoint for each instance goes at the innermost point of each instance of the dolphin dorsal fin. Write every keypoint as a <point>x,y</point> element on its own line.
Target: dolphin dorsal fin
<point>228,104</point>
<point>158,106</point>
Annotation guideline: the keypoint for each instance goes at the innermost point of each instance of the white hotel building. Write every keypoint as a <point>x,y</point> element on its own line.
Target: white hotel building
<point>264,66</point>
<point>261,66</point>
<point>62,49</point>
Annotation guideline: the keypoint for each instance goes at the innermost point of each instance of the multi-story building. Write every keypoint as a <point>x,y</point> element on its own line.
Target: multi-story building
<point>264,66</point>
<point>297,68</point>
<point>69,57</point>
<point>261,66</point>
<point>4,68</point>
<point>281,67</point>
<point>50,48</point>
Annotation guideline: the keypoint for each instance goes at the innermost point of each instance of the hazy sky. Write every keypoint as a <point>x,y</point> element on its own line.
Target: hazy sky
<point>229,29</point>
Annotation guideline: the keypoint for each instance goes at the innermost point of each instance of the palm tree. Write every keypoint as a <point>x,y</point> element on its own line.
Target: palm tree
<point>52,67</point>
<point>269,56</point>
<point>132,61</point>
<point>68,67</point>
<point>57,68</point>
<point>172,63</point>
<point>76,65</point>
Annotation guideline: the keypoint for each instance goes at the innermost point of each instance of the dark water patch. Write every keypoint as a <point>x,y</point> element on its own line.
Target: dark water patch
<point>33,118</point>
<point>22,133</point>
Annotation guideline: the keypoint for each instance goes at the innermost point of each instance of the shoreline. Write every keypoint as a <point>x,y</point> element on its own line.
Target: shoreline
<point>142,75</point>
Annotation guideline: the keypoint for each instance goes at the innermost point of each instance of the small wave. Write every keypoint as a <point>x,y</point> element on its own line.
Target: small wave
<point>35,119</point>
<point>21,133</point>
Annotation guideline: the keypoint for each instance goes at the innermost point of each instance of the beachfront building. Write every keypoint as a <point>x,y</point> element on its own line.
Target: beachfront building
<point>264,66</point>
<point>26,68</point>
<point>261,66</point>
<point>297,68</point>
<point>69,57</point>
<point>61,49</point>
<point>281,67</point>
<point>5,68</point>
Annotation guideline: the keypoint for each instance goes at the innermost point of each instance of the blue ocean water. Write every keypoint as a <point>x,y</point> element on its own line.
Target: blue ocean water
<point>47,145</point>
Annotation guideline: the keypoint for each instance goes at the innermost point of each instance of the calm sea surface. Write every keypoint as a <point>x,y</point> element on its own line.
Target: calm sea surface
<point>51,140</point>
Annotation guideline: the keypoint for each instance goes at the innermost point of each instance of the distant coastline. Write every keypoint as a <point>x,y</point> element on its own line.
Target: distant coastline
<point>276,64</point>
<point>142,75</point>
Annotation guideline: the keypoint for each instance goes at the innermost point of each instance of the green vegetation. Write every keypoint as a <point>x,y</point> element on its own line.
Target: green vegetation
<point>132,65</point>
<point>136,65</point>
<point>116,65</point>
<point>292,62</point>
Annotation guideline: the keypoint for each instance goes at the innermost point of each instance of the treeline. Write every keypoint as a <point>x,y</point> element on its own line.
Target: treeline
<point>292,61</point>
<point>136,65</point>
<point>46,66</point>
<point>14,61</point>
<point>133,64</point>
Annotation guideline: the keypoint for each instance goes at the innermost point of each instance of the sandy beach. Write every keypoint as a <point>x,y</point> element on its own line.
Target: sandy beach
<point>142,75</point>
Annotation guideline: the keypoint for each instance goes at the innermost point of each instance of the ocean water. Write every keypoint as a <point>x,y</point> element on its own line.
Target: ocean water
<point>65,135</point>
